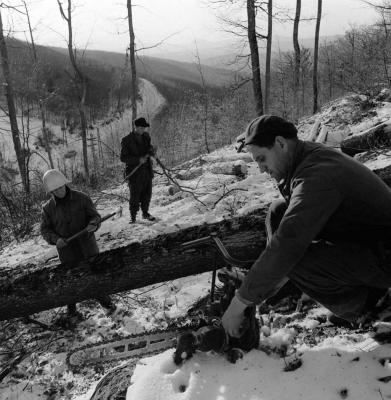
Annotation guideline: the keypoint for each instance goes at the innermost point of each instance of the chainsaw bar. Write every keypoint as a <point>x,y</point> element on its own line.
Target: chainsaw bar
<point>134,346</point>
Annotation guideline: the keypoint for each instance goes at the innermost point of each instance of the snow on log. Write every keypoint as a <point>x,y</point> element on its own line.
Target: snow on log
<point>314,131</point>
<point>375,137</point>
<point>322,135</point>
<point>238,168</point>
<point>189,174</point>
<point>28,289</point>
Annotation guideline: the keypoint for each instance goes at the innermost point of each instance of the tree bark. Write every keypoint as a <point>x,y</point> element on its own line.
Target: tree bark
<point>268,54</point>
<point>9,94</point>
<point>375,137</point>
<point>132,52</point>
<point>29,289</point>
<point>81,81</point>
<point>316,50</point>
<point>256,71</point>
<point>296,46</point>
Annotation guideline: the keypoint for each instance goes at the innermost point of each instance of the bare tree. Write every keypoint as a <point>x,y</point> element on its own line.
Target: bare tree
<point>41,101</point>
<point>132,52</point>
<point>296,47</point>
<point>268,53</point>
<point>315,66</point>
<point>80,81</point>
<point>255,67</point>
<point>205,100</point>
<point>9,94</point>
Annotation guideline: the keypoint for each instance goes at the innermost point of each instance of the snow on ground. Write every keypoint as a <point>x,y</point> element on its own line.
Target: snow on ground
<point>334,363</point>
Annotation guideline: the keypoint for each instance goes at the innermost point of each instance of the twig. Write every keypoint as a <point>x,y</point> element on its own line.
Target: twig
<point>11,365</point>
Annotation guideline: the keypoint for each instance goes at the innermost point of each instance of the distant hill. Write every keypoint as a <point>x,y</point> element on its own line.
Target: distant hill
<point>153,68</point>
<point>170,76</point>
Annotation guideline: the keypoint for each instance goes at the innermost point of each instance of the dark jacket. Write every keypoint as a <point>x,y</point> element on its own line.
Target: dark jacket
<point>330,196</point>
<point>134,146</point>
<point>65,217</point>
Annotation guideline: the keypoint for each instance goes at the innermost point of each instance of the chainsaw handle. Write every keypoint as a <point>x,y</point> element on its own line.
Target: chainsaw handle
<point>215,242</point>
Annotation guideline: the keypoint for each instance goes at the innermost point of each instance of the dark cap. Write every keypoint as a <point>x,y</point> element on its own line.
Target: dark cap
<point>141,122</point>
<point>263,130</point>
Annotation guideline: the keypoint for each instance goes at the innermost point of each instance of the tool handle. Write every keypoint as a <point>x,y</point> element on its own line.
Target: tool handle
<point>83,231</point>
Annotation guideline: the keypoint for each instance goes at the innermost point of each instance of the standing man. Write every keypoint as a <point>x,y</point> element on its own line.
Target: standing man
<point>66,213</point>
<point>330,235</point>
<point>136,152</point>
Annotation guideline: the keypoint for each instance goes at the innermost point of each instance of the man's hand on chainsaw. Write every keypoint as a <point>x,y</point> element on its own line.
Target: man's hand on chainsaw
<point>233,317</point>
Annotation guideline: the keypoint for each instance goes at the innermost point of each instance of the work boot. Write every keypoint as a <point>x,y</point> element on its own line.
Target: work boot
<point>149,217</point>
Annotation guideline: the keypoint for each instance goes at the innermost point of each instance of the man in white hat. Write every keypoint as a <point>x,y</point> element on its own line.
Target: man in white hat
<point>66,213</point>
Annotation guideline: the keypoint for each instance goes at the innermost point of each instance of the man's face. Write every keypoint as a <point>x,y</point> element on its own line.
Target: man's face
<point>274,161</point>
<point>60,192</point>
<point>141,129</point>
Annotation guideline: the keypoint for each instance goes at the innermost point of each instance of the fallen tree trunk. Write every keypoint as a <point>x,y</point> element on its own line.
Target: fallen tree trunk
<point>375,137</point>
<point>140,264</point>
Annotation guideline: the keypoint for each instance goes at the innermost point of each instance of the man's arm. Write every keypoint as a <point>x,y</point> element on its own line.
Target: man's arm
<point>47,231</point>
<point>313,201</point>
<point>93,217</point>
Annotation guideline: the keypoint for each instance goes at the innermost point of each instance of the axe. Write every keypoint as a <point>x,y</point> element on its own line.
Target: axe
<point>83,231</point>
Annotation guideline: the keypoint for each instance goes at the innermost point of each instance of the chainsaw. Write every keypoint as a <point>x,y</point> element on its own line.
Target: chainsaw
<point>130,347</point>
<point>148,343</point>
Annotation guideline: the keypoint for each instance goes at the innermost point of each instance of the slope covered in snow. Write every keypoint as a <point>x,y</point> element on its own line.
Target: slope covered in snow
<point>335,363</point>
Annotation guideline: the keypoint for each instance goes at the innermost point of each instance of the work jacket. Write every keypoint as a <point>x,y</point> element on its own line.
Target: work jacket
<point>62,218</point>
<point>134,146</point>
<point>329,196</point>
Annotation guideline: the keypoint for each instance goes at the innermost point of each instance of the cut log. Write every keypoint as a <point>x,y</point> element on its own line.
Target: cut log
<point>375,137</point>
<point>238,168</point>
<point>35,288</point>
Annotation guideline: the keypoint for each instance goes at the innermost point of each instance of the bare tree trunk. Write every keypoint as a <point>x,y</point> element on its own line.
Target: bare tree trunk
<point>9,94</point>
<point>268,54</point>
<point>296,46</point>
<point>45,134</point>
<point>316,50</point>
<point>45,137</point>
<point>205,101</point>
<point>132,51</point>
<point>256,71</point>
<point>81,80</point>
<point>152,261</point>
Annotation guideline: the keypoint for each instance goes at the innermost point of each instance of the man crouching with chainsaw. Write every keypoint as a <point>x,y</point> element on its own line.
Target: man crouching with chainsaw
<point>329,234</point>
<point>68,212</point>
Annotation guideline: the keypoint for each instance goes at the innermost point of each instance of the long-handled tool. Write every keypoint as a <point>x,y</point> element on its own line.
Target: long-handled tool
<point>83,231</point>
<point>134,170</point>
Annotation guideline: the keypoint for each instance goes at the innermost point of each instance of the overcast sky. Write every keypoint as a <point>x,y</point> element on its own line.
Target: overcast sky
<point>101,24</point>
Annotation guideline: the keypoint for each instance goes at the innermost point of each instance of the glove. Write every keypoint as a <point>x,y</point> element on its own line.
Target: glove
<point>91,228</point>
<point>143,159</point>
<point>233,317</point>
<point>61,243</point>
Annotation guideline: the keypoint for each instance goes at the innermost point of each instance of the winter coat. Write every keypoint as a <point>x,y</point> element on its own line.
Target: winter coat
<point>62,218</point>
<point>134,146</point>
<point>329,196</point>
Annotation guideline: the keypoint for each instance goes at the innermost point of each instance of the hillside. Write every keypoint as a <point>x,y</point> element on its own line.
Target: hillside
<point>342,357</point>
<point>161,70</point>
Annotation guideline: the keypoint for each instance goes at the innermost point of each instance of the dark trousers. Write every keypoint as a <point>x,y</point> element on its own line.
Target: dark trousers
<point>140,188</point>
<point>346,277</point>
